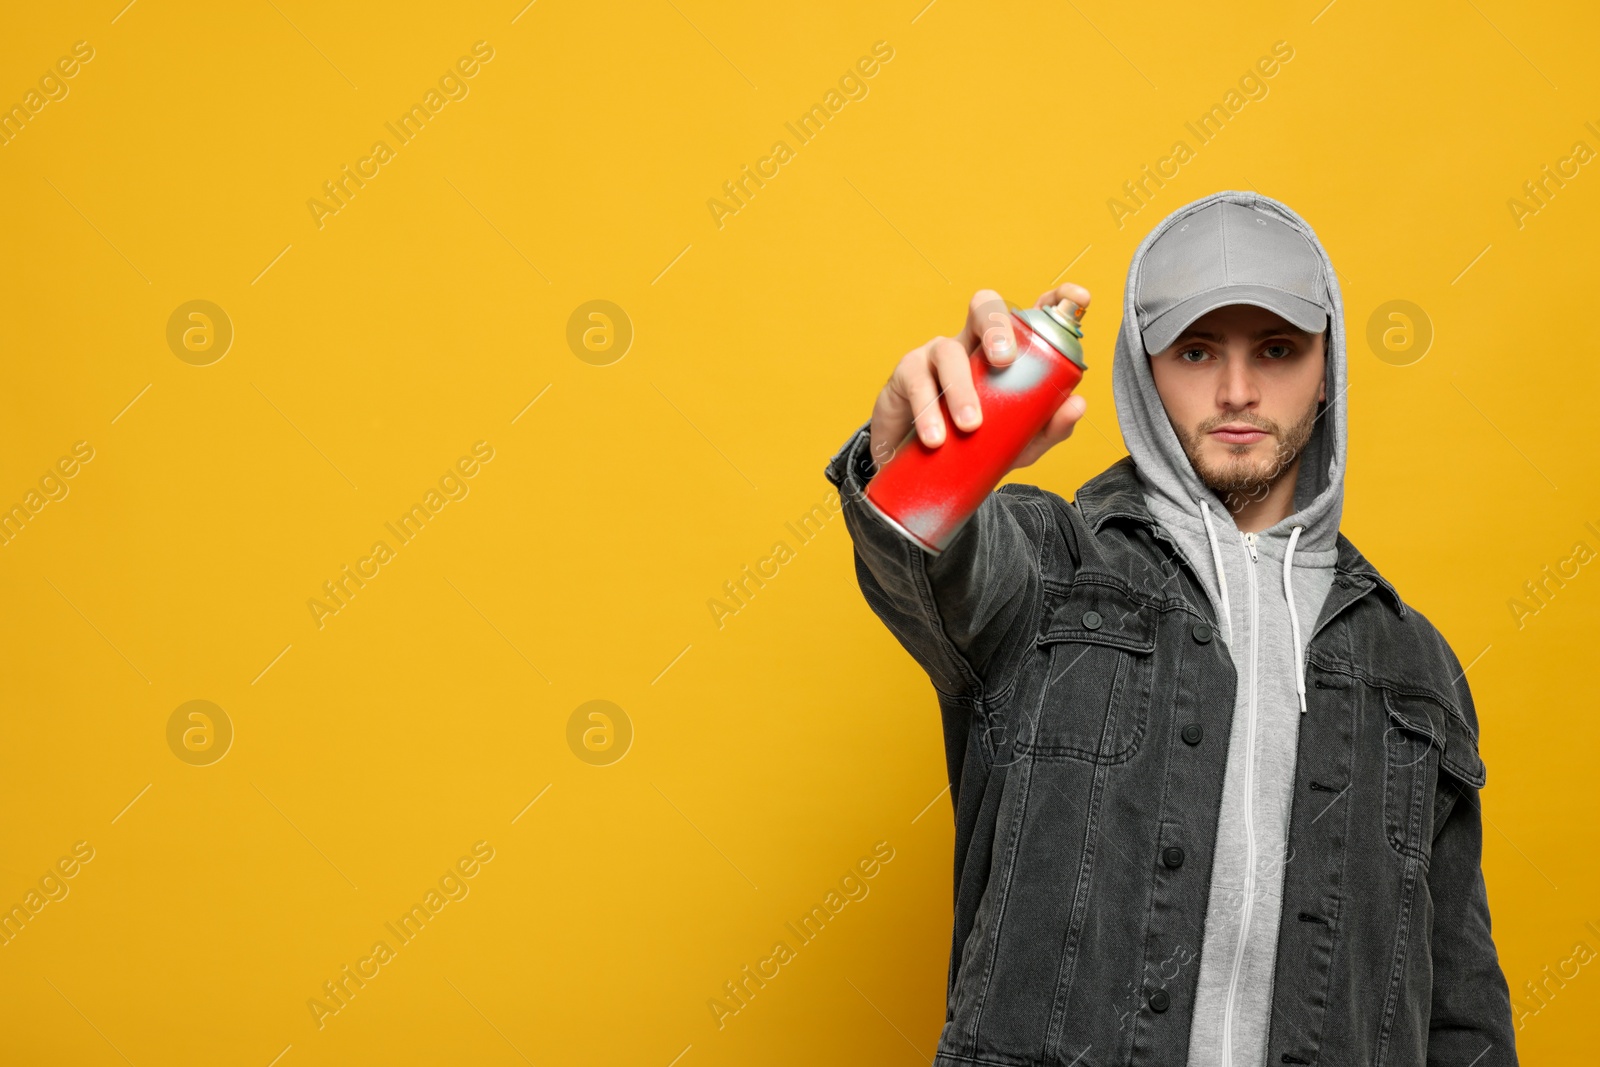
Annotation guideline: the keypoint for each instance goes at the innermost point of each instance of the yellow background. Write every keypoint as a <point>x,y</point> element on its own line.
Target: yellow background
<point>769,754</point>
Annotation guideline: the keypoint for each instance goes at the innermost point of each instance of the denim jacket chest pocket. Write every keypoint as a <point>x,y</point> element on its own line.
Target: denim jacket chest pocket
<point>1428,755</point>
<point>1097,653</point>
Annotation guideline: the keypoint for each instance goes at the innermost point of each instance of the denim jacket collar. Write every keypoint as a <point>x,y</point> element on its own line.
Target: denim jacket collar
<point>1116,494</point>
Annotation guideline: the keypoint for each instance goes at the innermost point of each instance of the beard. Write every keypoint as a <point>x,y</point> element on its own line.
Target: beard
<point>1240,476</point>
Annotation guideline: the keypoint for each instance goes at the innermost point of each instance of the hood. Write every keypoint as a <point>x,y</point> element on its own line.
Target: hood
<point>1163,467</point>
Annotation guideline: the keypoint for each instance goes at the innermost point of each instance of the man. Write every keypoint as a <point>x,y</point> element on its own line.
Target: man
<point>1215,784</point>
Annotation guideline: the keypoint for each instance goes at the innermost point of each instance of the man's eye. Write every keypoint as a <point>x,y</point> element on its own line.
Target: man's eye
<point>1198,353</point>
<point>1282,351</point>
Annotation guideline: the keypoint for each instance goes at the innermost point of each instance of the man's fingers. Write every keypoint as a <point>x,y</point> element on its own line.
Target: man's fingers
<point>910,402</point>
<point>921,390</point>
<point>953,367</point>
<point>1058,429</point>
<point>1064,421</point>
<point>889,428</point>
<point>989,324</point>
<point>1066,291</point>
<point>892,414</point>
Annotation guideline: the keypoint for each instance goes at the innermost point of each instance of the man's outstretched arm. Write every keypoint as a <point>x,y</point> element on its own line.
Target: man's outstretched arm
<point>956,612</point>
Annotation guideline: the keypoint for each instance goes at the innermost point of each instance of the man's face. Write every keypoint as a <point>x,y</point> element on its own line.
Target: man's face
<point>1241,386</point>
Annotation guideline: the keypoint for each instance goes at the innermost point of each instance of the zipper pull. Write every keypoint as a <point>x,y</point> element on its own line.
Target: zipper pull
<point>1250,543</point>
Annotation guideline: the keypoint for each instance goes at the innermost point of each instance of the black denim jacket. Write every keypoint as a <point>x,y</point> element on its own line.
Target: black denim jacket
<point>1084,838</point>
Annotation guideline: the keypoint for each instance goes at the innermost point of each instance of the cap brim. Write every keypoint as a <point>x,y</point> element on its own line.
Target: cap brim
<point>1302,313</point>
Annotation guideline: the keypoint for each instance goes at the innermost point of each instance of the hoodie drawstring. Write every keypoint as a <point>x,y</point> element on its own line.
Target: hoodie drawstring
<point>1294,618</point>
<point>1216,558</point>
<point>1288,595</point>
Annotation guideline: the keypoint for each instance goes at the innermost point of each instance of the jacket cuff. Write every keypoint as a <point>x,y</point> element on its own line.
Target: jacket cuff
<point>851,468</point>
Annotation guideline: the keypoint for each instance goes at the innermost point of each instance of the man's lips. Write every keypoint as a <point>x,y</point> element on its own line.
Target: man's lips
<point>1238,434</point>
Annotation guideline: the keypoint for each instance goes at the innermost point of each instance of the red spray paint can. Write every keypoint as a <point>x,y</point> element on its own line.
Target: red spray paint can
<point>928,494</point>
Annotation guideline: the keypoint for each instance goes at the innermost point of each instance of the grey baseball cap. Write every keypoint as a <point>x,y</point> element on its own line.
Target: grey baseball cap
<point>1228,253</point>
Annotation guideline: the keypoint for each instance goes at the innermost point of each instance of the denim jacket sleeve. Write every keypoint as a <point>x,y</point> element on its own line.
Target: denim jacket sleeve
<point>1471,1014</point>
<point>963,614</point>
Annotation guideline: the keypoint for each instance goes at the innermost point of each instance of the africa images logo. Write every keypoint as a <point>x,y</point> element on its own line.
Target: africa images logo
<point>342,589</point>
<point>452,85</point>
<point>852,86</point>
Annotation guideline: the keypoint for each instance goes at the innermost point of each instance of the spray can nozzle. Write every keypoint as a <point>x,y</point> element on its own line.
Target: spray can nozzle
<point>1066,313</point>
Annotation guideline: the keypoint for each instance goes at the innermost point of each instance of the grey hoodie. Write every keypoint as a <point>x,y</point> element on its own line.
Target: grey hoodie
<point>1270,589</point>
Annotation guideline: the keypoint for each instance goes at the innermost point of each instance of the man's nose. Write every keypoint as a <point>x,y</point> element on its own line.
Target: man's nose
<point>1237,388</point>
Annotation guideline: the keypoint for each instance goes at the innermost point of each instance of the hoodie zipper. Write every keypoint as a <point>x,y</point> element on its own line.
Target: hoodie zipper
<point>1248,907</point>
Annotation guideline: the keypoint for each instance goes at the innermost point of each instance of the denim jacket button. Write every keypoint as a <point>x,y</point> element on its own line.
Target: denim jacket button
<point>1202,632</point>
<point>1172,857</point>
<point>1159,1001</point>
<point>1192,733</point>
<point>1091,620</point>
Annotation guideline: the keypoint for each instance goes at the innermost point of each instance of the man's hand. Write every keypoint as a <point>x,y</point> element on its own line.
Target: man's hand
<point>942,367</point>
